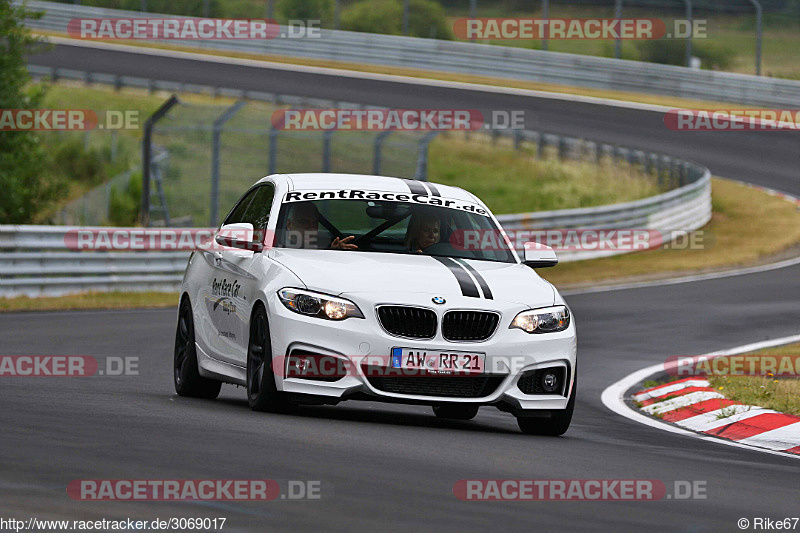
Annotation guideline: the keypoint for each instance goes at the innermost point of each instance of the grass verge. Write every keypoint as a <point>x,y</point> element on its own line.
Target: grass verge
<point>781,394</point>
<point>91,300</point>
<point>520,182</point>
<point>748,226</point>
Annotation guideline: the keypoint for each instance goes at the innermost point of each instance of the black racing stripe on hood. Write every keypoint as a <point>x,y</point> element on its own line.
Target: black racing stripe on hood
<point>468,287</point>
<point>487,292</point>
<point>432,187</point>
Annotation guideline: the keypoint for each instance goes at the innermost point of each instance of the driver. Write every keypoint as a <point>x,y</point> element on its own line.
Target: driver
<point>303,220</point>
<point>424,230</point>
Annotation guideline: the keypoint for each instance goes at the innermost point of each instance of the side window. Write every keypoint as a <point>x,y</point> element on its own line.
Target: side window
<point>237,215</point>
<point>257,212</point>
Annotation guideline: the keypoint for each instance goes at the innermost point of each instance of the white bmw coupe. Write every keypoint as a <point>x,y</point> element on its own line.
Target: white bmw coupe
<point>327,287</point>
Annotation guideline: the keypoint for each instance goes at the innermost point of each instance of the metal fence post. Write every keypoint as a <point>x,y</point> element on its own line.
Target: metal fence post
<point>114,145</point>
<point>539,145</point>
<point>473,11</point>
<point>376,159</point>
<point>691,30</point>
<point>215,145</point>
<point>147,155</point>
<point>757,5</point>
<point>405,16</point>
<point>337,10</point>
<point>618,16</point>
<point>546,16</point>
<point>422,158</point>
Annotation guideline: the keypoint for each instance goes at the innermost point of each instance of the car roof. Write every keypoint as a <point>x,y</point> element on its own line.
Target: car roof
<point>326,181</point>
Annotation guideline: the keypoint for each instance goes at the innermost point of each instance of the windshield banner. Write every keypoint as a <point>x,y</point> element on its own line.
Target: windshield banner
<point>385,196</point>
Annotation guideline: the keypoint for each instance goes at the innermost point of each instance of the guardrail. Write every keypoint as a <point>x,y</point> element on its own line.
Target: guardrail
<point>34,260</point>
<point>479,59</point>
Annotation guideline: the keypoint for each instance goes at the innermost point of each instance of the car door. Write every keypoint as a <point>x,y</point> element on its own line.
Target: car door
<point>234,285</point>
<point>207,293</point>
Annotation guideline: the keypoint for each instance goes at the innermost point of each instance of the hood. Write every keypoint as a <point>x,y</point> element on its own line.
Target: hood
<point>342,272</point>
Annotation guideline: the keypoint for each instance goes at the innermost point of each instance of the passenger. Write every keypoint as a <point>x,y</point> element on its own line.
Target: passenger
<point>423,231</point>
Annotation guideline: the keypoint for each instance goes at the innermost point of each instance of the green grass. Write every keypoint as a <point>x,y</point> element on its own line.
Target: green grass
<point>781,394</point>
<point>747,226</point>
<point>511,181</point>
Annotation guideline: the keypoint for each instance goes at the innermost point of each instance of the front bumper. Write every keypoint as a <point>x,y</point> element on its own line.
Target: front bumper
<point>509,354</point>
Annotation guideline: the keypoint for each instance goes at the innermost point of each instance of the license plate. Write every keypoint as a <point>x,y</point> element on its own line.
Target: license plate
<point>438,361</point>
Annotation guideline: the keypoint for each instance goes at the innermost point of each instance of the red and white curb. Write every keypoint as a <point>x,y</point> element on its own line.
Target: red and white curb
<point>693,404</point>
<point>720,420</point>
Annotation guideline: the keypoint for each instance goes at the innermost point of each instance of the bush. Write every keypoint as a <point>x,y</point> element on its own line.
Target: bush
<point>381,16</point>
<point>426,18</point>
<point>673,52</point>
<point>713,56</point>
<point>69,159</point>
<point>306,9</point>
<point>123,205</point>
<point>665,51</point>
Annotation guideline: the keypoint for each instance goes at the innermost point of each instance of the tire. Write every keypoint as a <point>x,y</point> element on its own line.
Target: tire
<point>456,412</point>
<point>555,425</point>
<point>187,378</point>
<point>262,393</point>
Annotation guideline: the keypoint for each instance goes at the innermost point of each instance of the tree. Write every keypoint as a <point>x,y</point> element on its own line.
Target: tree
<point>426,18</point>
<point>24,188</point>
<point>306,9</point>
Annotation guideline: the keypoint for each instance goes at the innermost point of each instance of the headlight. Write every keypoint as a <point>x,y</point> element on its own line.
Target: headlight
<point>545,320</point>
<point>318,305</point>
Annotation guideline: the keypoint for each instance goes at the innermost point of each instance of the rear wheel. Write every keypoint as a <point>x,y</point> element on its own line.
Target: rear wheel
<point>456,412</point>
<point>262,393</point>
<point>188,381</point>
<point>554,426</point>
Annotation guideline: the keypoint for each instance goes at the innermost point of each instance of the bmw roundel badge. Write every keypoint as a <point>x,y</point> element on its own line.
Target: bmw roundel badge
<point>438,300</point>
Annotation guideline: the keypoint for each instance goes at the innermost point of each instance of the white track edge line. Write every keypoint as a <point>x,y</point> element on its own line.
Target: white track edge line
<point>613,397</point>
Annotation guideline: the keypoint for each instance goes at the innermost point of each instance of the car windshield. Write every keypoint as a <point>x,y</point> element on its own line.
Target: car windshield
<point>449,229</point>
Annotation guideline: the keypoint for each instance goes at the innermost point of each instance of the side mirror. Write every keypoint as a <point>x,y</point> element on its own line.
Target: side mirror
<point>539,255</point>
<point>239,236</point>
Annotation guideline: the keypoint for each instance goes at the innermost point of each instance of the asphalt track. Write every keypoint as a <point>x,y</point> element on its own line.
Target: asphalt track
<point>386,467</point>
